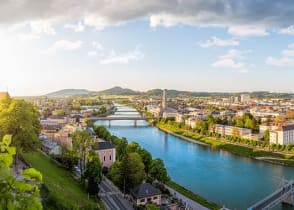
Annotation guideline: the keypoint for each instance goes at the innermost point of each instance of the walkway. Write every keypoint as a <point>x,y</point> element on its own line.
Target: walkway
<point>112,197</point>
<point>190,204</point>
<point>286,191</point>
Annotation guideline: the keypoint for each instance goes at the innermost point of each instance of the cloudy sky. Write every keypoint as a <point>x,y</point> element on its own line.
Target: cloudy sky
<point>199,45</point>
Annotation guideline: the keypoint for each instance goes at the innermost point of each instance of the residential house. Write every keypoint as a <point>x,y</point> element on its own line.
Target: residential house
<point>107,153</point>
<point>146,193</point>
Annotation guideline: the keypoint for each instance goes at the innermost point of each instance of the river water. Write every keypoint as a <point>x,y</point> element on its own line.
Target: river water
<point>219,176</point>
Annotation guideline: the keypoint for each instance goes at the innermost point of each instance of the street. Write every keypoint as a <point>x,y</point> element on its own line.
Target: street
<point>112,197</point>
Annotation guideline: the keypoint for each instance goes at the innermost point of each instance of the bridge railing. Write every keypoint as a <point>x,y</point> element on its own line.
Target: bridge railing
<point>274,198</point>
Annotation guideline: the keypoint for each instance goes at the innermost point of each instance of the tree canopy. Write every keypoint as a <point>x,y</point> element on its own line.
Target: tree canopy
<point>20,119</point>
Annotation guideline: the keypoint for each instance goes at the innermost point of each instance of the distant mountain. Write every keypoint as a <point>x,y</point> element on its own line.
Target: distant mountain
<point>118,91</point>
<point>158,93</point>
<point>69,93</point>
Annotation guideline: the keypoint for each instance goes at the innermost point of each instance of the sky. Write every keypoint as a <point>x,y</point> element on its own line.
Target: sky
<point>195,45</point>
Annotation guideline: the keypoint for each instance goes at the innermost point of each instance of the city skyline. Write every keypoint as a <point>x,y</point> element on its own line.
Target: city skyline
<point>225,46</point>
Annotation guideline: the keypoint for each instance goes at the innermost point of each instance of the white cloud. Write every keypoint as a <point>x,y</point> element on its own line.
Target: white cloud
<point>247,31</point>
<point>122,58</point>
<point>214,41</point>
<point>65,45</point>
<point>231,60</point>
<point>42,27</point>
<point>111,56</point>
<point>286,59</point>
<point>92,53</point>
<point>79,27</point>
<point>27,36</point>
<point>289,30</point>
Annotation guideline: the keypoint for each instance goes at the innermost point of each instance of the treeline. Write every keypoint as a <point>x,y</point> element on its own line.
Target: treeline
<point>134,164</point>
<point>202,128</point>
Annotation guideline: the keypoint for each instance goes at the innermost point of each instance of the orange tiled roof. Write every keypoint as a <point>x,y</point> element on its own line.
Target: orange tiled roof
<point>3,95</point>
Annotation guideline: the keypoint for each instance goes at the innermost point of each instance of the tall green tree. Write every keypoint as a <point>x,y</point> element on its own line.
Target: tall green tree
<point>82,142</point>
<point>266,135</point>
<point>15,194</point>
<point>93,173</point>
<point>158,171</point>
<point>128,172</point>
<point>20,119</point>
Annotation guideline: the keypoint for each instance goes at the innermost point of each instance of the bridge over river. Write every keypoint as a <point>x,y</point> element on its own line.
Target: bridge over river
<point>129,118</point>
<point>285,194</point>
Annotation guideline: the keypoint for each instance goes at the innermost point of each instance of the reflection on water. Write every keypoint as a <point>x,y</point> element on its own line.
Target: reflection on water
<point>219,176</point>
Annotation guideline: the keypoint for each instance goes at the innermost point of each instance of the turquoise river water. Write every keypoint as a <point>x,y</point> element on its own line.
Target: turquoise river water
<point>219,176</point>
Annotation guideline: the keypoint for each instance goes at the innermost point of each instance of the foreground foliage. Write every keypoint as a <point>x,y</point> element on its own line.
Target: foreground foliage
<point>20,193</point>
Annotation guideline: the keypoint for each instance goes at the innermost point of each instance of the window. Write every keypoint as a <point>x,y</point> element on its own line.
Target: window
<point>154,198</point>
<point>109,157</point>
<point>148,199</point>
<point>142,200</point>
<point>104,158</point>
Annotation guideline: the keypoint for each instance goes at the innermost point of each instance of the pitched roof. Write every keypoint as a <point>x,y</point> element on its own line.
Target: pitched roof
<point>3,95</point>
<point>144,190</point>
<point>103,145</point>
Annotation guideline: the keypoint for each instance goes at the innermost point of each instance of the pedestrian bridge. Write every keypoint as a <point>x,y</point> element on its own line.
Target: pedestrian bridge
<point>285,194</point>
<point>109,119</point>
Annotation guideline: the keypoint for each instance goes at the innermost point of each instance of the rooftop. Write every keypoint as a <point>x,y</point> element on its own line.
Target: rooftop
<point>103,145</point>
<point>3,95</point>
<point>145,190</point>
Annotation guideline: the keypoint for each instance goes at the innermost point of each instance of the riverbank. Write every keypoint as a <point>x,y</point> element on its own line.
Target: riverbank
<point>185,194</point>
<point>237,149</point>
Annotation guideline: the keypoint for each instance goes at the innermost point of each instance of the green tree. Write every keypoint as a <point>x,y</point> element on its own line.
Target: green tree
<point>68,157</point>
<point>93,173</point>
<point>128,172</point>
<point>266,135</point>
<point>158,171</point>
<point>20,119</point>
<point>121,146</point>
<point>146,159</point>
<point>102,110</point>
<point>82,142</point>
<point>151,206</point>
<point>17,194</point>
<point>102,132</point>
<point>89,122</point>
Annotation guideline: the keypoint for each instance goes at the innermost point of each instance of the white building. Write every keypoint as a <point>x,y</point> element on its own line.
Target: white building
<point>245,98</point>
<point>226,130</point>
<point>284,135</point>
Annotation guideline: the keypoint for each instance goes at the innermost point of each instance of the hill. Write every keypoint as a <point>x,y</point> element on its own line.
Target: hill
<point>69,93</point>
<point>118,91</point>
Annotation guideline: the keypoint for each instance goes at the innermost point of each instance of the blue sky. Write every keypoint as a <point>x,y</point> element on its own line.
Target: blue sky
<point>197,46</point>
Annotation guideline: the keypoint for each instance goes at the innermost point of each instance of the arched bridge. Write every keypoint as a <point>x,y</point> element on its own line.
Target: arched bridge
<point>285,194</point>
<point>109,119</point>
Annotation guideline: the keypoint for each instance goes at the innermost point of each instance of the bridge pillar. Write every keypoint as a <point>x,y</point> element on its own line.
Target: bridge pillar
<point>109,123</point>
<point>135,123</point>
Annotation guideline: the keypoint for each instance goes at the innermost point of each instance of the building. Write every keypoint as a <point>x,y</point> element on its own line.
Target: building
<point>4,95</point>
<point>283,135</point>
<point>146,193</point>
<point>164,98</point>
<point>107,153</point>
<point>226,130</point>
<point>245,98</point>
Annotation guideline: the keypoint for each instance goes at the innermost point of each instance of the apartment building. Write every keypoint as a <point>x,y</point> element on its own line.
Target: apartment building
<point>226,130</point>
<point>283,135</point>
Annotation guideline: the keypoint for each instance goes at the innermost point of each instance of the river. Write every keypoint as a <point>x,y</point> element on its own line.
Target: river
<point>219,176</point>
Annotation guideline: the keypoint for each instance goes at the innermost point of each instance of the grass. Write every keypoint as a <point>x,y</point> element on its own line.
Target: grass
<point>192,196</point>
<point>62,191</point>
<point>233,148</point>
